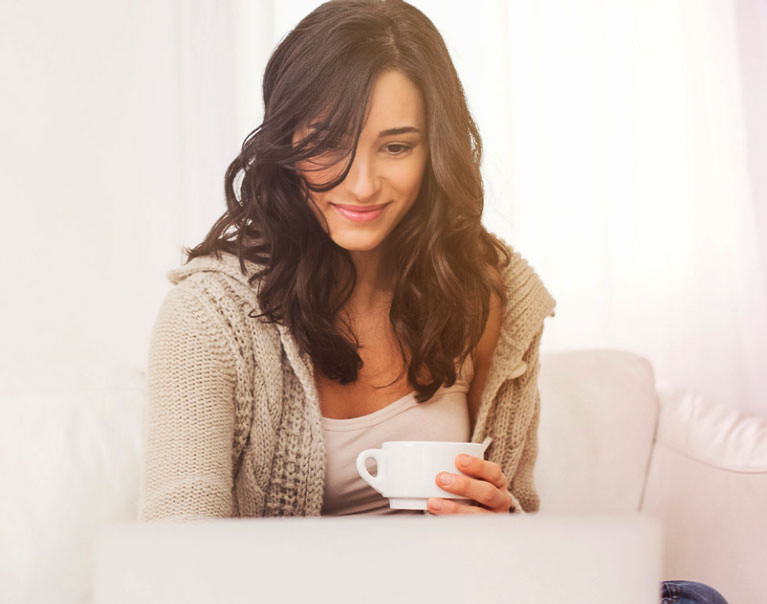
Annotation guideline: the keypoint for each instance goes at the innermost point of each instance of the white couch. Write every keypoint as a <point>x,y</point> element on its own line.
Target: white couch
<point>70,460</point>
<point>609,441</point>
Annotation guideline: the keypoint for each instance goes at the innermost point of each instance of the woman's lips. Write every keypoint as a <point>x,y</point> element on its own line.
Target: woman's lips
<point>360,213</point>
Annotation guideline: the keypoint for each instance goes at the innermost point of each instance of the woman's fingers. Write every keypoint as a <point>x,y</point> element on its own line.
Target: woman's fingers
<point>448,506</point>
<point>483,492</point>
<point>482,469</point>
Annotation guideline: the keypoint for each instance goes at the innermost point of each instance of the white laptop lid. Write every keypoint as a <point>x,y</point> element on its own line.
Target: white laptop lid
<point>488,559</point>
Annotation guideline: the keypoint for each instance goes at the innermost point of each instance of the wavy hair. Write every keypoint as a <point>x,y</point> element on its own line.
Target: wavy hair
<point>445,261</point>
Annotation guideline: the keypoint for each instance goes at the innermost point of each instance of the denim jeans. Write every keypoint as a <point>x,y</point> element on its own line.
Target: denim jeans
<point>689,592</point>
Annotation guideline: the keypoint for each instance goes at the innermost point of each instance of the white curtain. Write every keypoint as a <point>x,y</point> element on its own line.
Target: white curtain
<point>628,182</point>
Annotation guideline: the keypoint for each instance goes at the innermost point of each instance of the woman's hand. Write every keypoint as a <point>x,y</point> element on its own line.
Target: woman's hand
<point>485,484</point>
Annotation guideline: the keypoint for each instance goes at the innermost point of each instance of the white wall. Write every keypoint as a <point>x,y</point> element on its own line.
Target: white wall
<point>90,182</point>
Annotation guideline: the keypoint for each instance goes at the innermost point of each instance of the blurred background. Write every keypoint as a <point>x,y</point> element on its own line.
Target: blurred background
<point>625,158</point>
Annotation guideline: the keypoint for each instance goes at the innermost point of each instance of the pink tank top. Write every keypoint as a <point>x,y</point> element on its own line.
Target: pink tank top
<point>445,416</point>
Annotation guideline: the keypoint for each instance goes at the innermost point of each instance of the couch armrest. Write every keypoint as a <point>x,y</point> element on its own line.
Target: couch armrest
<point>708,485</point>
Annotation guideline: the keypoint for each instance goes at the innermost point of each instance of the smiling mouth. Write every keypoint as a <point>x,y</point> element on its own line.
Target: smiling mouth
<point>360,213</point>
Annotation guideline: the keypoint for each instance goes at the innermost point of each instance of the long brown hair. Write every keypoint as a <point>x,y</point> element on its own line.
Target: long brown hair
<point>324,69</point>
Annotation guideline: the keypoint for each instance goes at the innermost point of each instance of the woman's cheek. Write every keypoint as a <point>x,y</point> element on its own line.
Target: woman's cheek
<point>410,177</point>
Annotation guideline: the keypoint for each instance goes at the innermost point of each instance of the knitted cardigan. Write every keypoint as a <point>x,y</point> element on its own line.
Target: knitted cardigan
<point>233,424</point>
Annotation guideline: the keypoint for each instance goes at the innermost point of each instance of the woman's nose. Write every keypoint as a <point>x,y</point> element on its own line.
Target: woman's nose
<point>361,180</point>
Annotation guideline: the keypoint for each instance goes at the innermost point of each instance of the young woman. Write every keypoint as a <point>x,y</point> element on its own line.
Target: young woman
<point>348,295</point>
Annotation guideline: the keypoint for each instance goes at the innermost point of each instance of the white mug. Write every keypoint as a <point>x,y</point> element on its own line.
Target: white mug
<point>407,470</point>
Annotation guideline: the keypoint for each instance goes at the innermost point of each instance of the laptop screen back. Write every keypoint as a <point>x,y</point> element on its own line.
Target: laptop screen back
<point>493,559</point>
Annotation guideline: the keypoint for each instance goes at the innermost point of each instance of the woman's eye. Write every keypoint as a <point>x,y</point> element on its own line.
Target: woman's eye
<point>397,148</point>
<point>333,150</point>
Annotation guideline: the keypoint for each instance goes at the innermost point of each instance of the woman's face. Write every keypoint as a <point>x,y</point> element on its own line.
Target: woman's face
<point>385,176</point>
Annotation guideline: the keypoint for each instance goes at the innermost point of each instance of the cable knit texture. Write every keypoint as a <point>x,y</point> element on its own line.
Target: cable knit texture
<point>234,423</point>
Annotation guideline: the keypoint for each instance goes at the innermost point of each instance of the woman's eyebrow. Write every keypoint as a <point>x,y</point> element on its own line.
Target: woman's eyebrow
<point>401,130</point>
<point>387,132</point>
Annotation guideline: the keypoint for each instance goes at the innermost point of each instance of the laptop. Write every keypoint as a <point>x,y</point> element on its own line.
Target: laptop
<point>484,559</point>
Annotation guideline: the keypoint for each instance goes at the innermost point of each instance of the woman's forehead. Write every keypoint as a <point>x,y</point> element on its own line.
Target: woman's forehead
<point>395,102</point>
<point>395,106</point>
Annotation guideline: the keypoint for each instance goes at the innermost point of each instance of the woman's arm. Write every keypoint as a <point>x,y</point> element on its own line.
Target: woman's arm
<point>188,467</point>
<point>525,387</point>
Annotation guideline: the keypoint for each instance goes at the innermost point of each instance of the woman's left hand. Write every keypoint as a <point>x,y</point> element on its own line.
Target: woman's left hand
<point>485,484</point>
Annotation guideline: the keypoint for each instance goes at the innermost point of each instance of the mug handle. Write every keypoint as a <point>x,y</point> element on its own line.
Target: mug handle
<point>377,481</point>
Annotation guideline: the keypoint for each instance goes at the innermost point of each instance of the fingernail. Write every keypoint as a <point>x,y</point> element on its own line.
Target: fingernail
<point>435,504</point>
<point>446,478</point>
<point>464,460</point>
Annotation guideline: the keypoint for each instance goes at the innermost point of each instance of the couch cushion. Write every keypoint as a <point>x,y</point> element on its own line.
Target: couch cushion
<point>598,416</point>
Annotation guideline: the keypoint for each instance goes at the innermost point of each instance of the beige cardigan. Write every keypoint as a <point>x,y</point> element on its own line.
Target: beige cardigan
<point>234,420</point>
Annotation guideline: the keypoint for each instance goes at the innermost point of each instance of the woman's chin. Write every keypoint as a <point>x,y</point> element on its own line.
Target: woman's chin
<point>357,244</point>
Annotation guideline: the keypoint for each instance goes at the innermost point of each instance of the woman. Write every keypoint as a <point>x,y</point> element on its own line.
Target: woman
<point>348,295</point>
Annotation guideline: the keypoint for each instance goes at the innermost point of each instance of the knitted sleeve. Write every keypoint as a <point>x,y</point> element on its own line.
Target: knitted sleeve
<point>525,388</point>
<point>187,471</point>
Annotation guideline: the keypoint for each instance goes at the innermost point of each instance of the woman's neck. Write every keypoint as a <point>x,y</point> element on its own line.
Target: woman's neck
<point>373,289</point>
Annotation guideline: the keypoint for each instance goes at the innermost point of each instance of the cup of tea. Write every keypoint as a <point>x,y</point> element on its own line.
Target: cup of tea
<point>407,470</point>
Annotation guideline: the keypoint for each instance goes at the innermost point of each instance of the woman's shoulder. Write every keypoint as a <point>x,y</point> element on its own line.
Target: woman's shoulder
<point>525,290</point>
<point>217,280</point>
<point>218,292</point>
<point>528,302</point>
<point>216,267</point>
